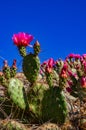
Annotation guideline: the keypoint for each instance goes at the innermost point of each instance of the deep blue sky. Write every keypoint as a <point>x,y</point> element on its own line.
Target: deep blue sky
<point>59,26</point>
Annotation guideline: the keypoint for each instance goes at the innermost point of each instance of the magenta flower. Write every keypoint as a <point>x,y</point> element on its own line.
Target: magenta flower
<point>81,59</point>
<point>48,69</point>
<point>84,56</point>
<point>51,62</point>
<point>48,65</point>
<point>71,55</point>
<point>65,66</point>
<point>22,39</point>
<point>64,70</point>
<point>83,82</point>
<point>63,74</point>
<point>77,56</point>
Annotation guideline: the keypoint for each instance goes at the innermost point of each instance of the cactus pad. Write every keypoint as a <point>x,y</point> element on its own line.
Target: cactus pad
<point>22,50</point>
<point>31,67</point>
<point>54,106</point>
<point>17,92</point>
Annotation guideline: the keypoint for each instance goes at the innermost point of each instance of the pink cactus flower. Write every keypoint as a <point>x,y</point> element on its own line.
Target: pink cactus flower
<point>81,59</point>
<point>51,62</point>
<point>63,74</point>
<point>71,55</point>
<point>65,66</point>
<point>22,39</point>
<point>77,56</point>
<point>48,69</point>
<point>48,65</point>
<point>83,82</point>
<point>84,56</point>
<point>64,70</point>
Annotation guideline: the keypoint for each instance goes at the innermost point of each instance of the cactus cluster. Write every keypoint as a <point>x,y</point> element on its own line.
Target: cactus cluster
<point>74,74</point>
<point>40,108</point>
<point>44,99</point>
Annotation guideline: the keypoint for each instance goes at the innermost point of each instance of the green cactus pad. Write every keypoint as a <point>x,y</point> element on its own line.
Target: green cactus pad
<point>22,50</point>
<point>13,72</point>
<point>54,106</point>
<point>17,92</point>
<point>6,72</point>
<point>49,79</point>
<point>31,67</point>
<point>47,103</point>
<point>35,98</point>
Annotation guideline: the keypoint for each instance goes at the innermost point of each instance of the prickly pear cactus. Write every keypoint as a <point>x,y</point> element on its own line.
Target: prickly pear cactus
<point>11,125</point>
<point>47,103</point>
<point>17,93</point>
<point>31,67</point>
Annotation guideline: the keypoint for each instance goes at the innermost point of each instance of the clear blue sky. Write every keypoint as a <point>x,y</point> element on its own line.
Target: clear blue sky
<point>59,26</point>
